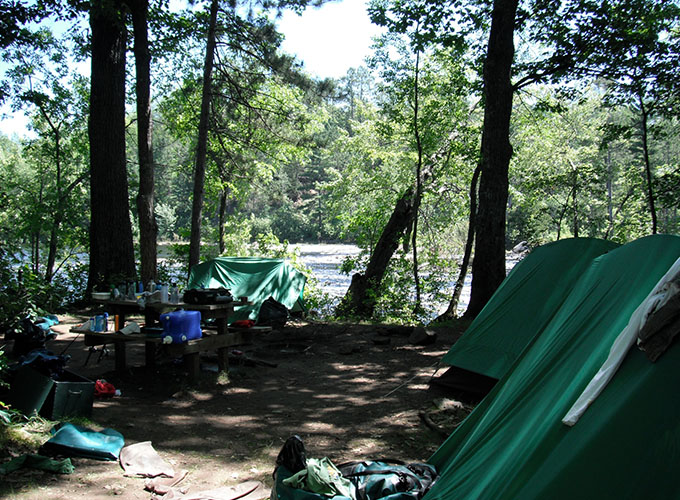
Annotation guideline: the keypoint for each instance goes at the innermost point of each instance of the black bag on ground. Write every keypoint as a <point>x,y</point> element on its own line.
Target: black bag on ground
<point>29,338</point>
<point>389,479</point>
<point>273,313</point>
<point>292,455</point>
<point>207,296</point>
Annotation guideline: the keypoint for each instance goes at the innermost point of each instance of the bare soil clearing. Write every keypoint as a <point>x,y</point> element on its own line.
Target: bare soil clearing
<point>349,391</point>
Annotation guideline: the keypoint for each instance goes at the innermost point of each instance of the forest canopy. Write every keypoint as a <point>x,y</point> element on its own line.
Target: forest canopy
<point>475,125</point>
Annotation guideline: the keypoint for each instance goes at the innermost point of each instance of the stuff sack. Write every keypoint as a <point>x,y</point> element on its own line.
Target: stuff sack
<point>369,480</point>
<point>31,336</point>
<point>273,313</point>
<point>389,480</point>
<point>207,296</point>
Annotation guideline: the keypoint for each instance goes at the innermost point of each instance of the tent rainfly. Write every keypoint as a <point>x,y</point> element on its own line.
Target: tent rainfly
<point>626,444</point>
<point>519,311</point>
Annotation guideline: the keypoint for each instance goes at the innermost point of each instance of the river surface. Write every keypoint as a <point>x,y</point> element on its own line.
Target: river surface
<point>325,260</point>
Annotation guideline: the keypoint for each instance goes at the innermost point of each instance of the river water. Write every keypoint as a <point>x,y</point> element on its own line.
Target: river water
<point>325,260</point>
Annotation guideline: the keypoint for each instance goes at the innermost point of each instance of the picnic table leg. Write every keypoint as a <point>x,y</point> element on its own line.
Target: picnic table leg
<point>192,362</point>
<point>149,354</point>
<point>223,359</point>
<point>121,357</point>
<point>221,325</point>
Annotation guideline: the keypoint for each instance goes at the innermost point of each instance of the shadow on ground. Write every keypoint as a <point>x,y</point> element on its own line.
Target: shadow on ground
<point>345,393</point>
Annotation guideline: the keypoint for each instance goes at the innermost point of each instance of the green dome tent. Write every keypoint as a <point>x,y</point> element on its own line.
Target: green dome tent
<point>252,277</point>
<point>627,443</point>
<point>520,309</point>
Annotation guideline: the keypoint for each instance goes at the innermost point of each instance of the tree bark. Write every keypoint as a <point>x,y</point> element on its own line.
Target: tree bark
<point>202,142</point>
<point>419,183</point>
<point>58,208</point>
<point>488,265</point>
<point>148,229</point>
<point>360,298</point>
<point>222,220</point>
<point>111,248</point>
<point>644,115</point>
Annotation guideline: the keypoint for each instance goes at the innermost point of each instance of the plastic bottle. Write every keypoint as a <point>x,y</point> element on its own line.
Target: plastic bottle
<point>174,294</point>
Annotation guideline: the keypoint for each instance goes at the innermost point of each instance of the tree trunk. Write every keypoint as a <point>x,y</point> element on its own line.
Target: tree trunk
<point>648,167</point>
<point>58,208</point>
<point>360,297</point>
<point>450,312</point>
<point>419,184</point>
<point>202,142</point>
<point>148,229</point>
<point>222,219</point>
<point>111,248</point>
<point>488,265</point>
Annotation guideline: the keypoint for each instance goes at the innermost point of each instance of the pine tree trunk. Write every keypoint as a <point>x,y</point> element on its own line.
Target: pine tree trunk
<point>57,215</point>
<point>648,168</point>
<point>202,142</point>
<point>488,265</point>
<point>148,229</point>
<point>111,248</point>
<point>360,298</point>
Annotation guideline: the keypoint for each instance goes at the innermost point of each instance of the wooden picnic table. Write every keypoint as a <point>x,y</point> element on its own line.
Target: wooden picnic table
<point>189,350</point>
<point>218,340</point>
<point>151,312</point>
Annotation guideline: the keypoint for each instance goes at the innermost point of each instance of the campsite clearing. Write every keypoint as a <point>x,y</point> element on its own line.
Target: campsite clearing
<point>348,395</point>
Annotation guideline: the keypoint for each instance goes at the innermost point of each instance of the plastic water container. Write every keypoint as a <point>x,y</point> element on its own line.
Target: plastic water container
<point>180,326</point>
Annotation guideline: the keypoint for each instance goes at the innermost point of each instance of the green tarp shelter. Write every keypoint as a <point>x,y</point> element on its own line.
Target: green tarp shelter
<point>253,277</point>
<point>523,305</point>
<point>626,445</point>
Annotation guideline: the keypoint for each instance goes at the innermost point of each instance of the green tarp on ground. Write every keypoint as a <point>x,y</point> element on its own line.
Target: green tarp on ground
<point>523,305</point>
<point>252,277</point>
<point>627,443</point>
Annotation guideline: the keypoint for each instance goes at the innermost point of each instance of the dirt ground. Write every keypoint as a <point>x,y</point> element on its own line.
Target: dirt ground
<point>349,391</point>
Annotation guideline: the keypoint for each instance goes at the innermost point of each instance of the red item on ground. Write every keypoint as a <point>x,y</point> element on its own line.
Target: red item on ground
<point>243,323</point>
<point>102,389</point>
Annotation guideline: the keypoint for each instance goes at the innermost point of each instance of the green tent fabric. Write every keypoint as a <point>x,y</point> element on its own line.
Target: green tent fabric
<point>625,446</point>
<point>523,305</point>
<point>252,277</point>
<point>39,462</point>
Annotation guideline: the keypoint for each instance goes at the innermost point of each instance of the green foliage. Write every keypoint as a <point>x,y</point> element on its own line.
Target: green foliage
<point>295,160</point>
<point>20,294</point>
<point>4,366</point>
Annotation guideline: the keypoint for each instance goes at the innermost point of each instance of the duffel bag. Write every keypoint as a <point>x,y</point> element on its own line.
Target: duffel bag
<point>389,479</point>
<point>207,296</point>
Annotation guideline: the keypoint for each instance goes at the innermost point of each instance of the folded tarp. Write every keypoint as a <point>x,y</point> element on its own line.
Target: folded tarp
<point>77,441</point>
<point>252,277</point>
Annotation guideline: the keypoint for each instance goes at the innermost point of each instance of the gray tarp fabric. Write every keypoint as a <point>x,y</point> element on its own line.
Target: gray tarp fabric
<point>523,305</point>
<point>625,446</point>
<point>253,277</point>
